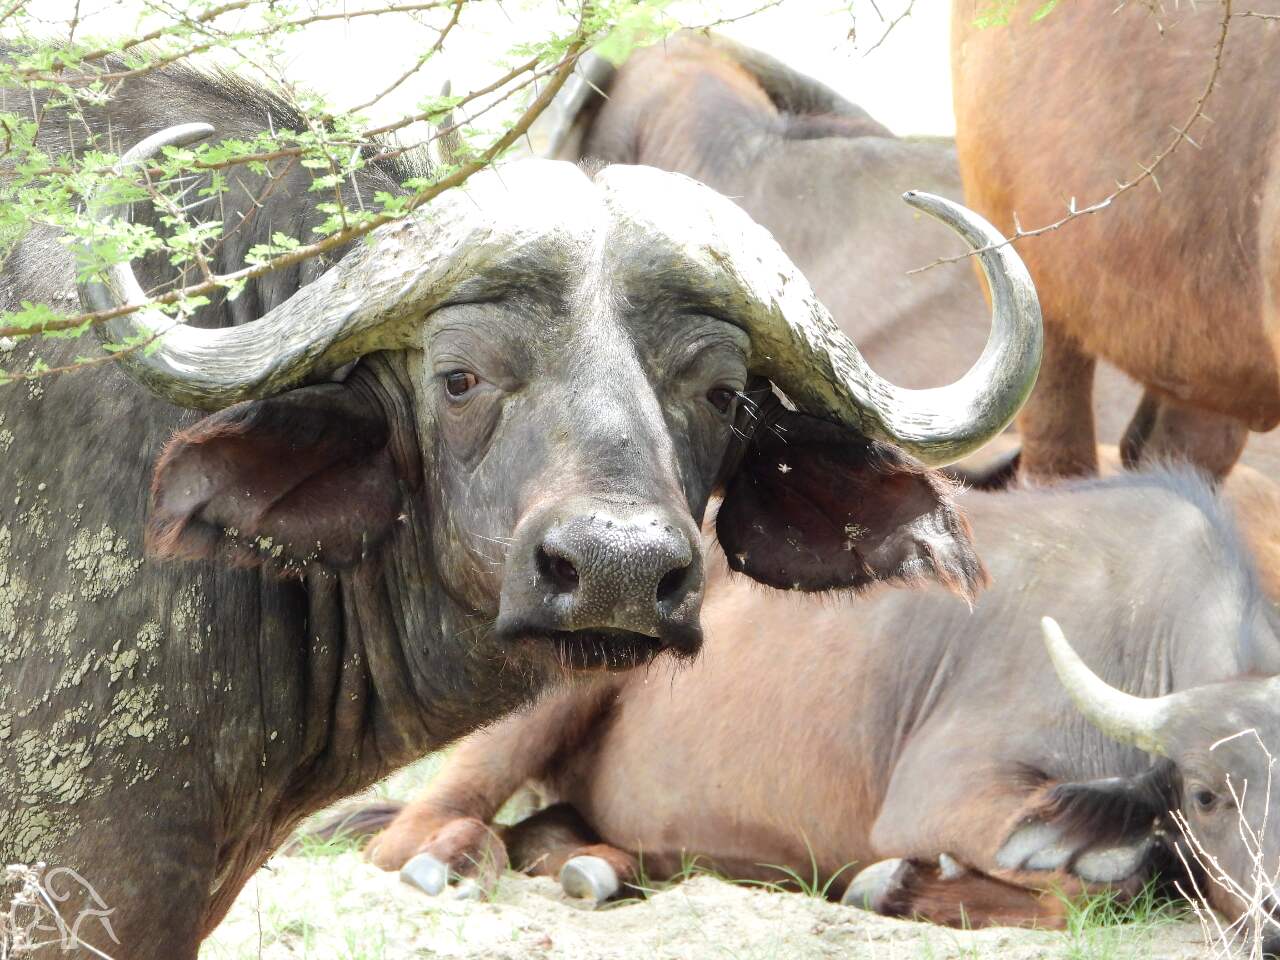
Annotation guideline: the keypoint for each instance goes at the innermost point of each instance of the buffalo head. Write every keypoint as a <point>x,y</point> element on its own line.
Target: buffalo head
<point>1208,803</point>
<point>560,370</point>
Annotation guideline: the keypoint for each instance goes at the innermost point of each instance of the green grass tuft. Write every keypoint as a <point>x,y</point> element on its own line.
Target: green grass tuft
<point>1106,926</point>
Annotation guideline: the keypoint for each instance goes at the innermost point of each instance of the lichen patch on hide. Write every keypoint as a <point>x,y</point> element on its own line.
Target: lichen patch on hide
<point>13,591</point>
<point>103,561</point>
<point>149,636</point>
<point>36,517</point>
<point>135,712</point>
<point>185,617</point>
<point>51,763</point>
<point>31,832</point>
<point>74,674</point>
<point>60,627</point>
<point>79,728</point>
<point>120,663</point>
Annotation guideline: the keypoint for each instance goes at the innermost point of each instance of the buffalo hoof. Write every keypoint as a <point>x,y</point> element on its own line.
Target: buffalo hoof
<point>426,873</point>
<point>1112,864</point>
<point>1034,846</point>
<point>871,887</point>
<point>468,889</point>
<point>589,878</point>
<point>949,868</point>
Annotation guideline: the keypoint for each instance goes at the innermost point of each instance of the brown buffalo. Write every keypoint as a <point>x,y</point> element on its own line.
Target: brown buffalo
<point>812,736</point>
<point>1175,282</point>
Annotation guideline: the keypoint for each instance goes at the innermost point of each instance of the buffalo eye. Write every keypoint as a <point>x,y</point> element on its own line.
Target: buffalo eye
<point>721,398</point>
<point>1204,799</point>
<point>459,382</point>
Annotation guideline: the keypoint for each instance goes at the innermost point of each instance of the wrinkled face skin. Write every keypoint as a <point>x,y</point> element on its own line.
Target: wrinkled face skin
<point>529,467</point>
<point>1222,748</point>
<point>578,414</point>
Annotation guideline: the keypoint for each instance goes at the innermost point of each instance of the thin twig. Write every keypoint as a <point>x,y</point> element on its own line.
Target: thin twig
<point>892,23</point>
<point>422,60</point>
<point>1074,212</point>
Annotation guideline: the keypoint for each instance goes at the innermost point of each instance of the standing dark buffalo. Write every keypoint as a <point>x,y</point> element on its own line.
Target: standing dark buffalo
<point>555,372</point>
<point>1175,282</point>
<point>814,736</point>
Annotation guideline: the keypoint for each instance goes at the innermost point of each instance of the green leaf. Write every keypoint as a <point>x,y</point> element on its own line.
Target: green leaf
<point>1045,9</point>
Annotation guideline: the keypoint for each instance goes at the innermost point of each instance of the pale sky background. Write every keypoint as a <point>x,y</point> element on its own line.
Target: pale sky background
<point>905,82</point>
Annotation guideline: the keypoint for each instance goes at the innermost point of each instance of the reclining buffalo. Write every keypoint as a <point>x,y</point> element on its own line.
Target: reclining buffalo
<point>978,779</point>
<point>471,455</point>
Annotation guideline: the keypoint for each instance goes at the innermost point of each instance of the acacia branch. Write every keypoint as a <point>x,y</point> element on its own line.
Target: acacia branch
<point>340,238</point>
<point>361,139</point>
<point>754,11</point>
<point>81,363</point>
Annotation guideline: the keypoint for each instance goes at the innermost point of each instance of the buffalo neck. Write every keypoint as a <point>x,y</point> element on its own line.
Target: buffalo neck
<point>385,669</point>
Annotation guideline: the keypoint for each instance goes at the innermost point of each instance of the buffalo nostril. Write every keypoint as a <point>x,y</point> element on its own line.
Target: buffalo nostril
<point>672,583</point>
<point>560,571</point>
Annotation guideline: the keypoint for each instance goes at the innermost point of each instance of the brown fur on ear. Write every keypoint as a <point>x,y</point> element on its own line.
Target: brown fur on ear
<point>300,478</point>
<point>814,506</point>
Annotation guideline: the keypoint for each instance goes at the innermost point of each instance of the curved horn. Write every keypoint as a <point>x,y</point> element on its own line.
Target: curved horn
<point>448,138</point>
<point>591,77</point>
<point>1137,721</point>
<point>373,299</point>
<point>797,345</point>
<point>212,368</point>
<point>944,424</point>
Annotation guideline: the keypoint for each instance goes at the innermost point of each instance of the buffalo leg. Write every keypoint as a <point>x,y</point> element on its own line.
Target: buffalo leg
<point>1139,430</point>
<point>480,776</point>
<point>1008,833</point>
<point>945,893</point>
<point>144,901</point>
<point>1163,430</point>
<point>460,848</point>
<point>1058,437</point>
<point>557,842</point>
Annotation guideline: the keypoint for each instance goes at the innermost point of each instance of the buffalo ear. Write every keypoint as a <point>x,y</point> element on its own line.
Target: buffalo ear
<point>1103,831</point>
<point>815,506</point>
<point>303,477</point>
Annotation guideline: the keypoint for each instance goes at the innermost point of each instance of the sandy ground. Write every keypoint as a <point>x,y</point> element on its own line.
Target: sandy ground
<point>339,907</point>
